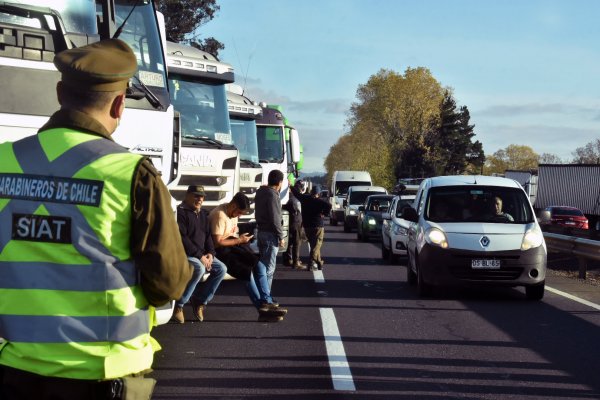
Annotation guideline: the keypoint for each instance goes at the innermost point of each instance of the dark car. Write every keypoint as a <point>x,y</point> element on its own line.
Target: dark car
<point>570,217</point>
<point>370,217</point>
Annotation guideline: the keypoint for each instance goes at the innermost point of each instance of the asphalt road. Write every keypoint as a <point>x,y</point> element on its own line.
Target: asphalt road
<point>358,331</point>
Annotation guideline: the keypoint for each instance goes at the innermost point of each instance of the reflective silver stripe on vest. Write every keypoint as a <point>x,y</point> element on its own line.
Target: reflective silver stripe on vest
<point>33,160</point>
<point>89,278</point>
<point>61,329</point>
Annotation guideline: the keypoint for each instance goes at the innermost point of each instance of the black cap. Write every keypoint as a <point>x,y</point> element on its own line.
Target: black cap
<point>316,189</point>
<point>198,190</point>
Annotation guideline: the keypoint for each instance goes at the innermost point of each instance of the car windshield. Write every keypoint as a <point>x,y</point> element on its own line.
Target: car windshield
<point>401,205</point>
<point>203,109</point>
<point>270,143</point>
<point>567,212</point>
<point>380,204</point>
<point>359,197</point>
<point>341,187</point>
<point>244,138</point>
<point>478,204</point>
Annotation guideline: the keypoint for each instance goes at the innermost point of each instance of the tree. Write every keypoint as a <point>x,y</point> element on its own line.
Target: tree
<point>549,158</point>
<point>184,17</point>
<point>588,154</point>
<point>514,156</point>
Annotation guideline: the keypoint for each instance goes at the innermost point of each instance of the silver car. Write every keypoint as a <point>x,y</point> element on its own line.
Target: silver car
<point>394,231</point>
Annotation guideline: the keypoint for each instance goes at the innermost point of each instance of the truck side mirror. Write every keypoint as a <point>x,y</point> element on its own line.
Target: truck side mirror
<point>410,214</point>
<point>295,145</point>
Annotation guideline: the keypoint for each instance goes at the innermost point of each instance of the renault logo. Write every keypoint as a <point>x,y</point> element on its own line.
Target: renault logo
<point>485,241</point>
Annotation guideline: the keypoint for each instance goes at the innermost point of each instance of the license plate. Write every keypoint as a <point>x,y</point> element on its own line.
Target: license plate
<point>485,264</point>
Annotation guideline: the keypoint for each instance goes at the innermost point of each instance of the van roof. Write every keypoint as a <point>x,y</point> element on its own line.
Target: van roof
<point>473,180</point>
<point>352,176</point>
<point>367,189</point>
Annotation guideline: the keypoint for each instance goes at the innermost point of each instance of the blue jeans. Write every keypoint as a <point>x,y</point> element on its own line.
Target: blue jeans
<point>204,293</point>
<point>268,245</point>
<point>258,286</point>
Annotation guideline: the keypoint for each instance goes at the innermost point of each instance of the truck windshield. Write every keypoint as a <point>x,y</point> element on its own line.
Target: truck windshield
<point>341,187</point>
<point>141,34</point>
<point>78,16</point>
<point>203,109</point>
<point>244,138</point>
<point>270,143</point>
<point>478,204</point>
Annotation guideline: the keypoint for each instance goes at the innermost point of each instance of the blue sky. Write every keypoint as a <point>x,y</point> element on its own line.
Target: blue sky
<point>528,70</point>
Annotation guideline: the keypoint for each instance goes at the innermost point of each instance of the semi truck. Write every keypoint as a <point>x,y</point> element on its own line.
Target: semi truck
<point>243,114</point>
<point>278,148</point>
<point>33,32</point>
<point>208,156</point>
<point>528,181</point>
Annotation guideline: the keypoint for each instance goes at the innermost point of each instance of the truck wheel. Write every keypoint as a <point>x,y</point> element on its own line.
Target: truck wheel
<point>535,292</point>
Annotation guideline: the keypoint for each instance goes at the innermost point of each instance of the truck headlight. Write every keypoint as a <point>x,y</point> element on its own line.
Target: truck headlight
<point>436,237</point>
<point>532,238</point>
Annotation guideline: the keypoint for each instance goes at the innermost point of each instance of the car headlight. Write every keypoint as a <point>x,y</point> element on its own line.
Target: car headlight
<point>532,238</point>
<point>436,237</point>
<point>336,206</point>
<point>371,221</point>
<point>352,212</point>
<point>399,230</point>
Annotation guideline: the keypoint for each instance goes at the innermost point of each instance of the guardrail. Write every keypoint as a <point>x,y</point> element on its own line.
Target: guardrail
<point>582,248</point>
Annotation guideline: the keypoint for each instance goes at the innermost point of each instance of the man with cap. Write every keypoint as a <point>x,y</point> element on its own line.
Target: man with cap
<point>78,296</point>
<point>314,210</point>
<point>194,228</point>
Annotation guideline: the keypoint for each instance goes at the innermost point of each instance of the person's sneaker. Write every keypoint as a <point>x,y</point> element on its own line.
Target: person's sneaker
<point>314,267</point>
<point>198,310</point>
<point>300,267</point>
<point>178,315</point>
<point>320,264</point>
<point>273,309</point>
<point>267,316</point>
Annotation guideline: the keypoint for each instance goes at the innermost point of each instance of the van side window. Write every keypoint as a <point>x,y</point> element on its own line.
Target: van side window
<point>421,201</point>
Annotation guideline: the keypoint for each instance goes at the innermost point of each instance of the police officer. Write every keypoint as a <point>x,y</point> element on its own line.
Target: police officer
<point>88,243</point>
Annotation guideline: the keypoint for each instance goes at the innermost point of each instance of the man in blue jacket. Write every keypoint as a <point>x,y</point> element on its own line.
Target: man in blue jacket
<point>197,240</point>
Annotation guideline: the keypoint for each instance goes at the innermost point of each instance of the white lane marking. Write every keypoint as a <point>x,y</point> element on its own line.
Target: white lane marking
<point>318,275</point>
<point>338,364</point>
<point>574,298</point>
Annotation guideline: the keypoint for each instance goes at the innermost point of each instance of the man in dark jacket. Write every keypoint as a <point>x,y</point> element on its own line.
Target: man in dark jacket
<point>313,211</point>
<point>194,228</point>
<point>291,256</point>
<point>267,206</point>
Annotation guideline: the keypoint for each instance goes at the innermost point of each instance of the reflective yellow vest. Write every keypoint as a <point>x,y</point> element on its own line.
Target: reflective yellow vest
<point>71,304</point>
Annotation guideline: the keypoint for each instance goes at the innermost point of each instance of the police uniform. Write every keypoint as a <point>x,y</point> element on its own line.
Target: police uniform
<point>88,245</point>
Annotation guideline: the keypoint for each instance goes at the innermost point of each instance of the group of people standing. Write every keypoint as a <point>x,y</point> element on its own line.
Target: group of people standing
<point>213,244</point>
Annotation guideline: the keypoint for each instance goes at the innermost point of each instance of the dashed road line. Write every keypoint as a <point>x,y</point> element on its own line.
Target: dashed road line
<point>318,275</point>
<point>341,375</point>
<point>574,298</point>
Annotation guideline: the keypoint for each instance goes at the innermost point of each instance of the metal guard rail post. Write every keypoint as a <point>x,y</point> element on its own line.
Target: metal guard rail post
<point>583,249</point>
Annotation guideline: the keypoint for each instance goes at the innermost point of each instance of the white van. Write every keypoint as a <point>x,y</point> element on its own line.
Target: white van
<point>340,182</point>
<point>474,230</point>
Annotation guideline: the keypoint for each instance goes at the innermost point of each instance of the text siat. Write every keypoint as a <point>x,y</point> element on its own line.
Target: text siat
<point>41,228</point>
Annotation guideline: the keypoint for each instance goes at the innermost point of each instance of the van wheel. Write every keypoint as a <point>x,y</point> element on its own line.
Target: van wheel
<point>424,289</point>
<point>535,292</point>
<point>385,253</point>
<point>411,277</point>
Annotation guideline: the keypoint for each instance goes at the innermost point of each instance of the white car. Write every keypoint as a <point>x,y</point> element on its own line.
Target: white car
<point>394,232</point>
